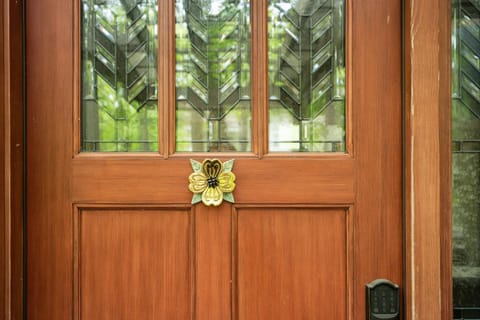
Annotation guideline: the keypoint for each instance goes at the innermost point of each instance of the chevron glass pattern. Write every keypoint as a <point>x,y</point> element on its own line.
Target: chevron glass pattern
<point>119,75</point>
<point>306,42</point>
<point>213,111</point>
<point>466,156</point>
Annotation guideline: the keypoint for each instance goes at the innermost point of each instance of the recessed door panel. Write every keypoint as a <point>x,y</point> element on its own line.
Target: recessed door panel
<point>133,263</point>
<point>292,263</point>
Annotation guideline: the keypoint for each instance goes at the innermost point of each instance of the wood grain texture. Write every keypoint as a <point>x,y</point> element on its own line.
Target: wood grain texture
<point>134,264</point>
<point>3,193</point>
<point>49,117</point>
<point>259,82</point>
<point>445,155</point>
<point>213,262</point>
<point>166,77</point>
<point>267,181</point>
<point>16,156</point>
<point>428,160</point>
<point>11,161</point>
<point>377,127</point>
<point>292,264</point>
<point>367,181</point>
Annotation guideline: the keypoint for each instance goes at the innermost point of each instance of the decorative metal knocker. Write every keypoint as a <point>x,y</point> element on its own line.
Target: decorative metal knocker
<point>212,182</point>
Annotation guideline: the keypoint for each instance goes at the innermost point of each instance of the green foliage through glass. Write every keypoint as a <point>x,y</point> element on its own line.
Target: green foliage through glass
<point>466,153</point>
<point>306,72</point>
<point>213,110</point>
<point>119,75</point>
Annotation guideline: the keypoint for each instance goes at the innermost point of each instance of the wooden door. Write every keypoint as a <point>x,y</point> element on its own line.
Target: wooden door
<point>115,236</point>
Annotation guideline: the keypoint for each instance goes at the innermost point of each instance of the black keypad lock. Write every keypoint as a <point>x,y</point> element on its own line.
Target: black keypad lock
<point>383,300</point>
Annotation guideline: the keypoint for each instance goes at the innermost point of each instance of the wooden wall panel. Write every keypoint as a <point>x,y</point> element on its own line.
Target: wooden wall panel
<point>133,264</point>
<point>292,263</point>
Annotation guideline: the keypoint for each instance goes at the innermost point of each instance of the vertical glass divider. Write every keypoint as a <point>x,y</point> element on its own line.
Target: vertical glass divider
<point>166,75</point>
<point>349,146</point>
<point>77,76</point>
<point>259,78</point>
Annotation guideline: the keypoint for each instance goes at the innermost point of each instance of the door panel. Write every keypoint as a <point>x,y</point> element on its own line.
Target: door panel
<point>133,263</point>
<point>115,236</point>
<point>292,261</point>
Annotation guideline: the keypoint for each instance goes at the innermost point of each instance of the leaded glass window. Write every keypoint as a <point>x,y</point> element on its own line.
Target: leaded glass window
<point>466,157</point>
<point>119,75</point>
<point>213,75</point>
<point>306,75</point>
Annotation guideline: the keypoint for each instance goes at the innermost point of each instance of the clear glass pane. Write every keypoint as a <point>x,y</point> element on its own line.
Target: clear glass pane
<point>306,71</point>
<point>119,75</point>
<point>213,40</point>
<point>466,157</point>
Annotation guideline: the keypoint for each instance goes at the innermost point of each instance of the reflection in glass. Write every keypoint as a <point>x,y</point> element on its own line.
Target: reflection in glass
<point>306,75</point>
<point>212,40</point>
<point>119,75</point>
<point>466,157</point>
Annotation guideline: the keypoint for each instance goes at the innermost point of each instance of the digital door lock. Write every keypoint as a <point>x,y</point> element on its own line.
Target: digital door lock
<point>383,300</point>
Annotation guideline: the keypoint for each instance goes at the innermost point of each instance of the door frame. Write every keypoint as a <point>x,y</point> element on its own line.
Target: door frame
<point>12,160</point>
<point>427,178</point>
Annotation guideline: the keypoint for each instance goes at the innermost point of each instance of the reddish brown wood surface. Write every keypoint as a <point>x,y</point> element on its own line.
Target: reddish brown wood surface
<point>428,160</point>
<point>376,108</point>
<point>49,117</point>
<point>16,156</point>
<point>213,252</point>
<point>277,195</point>
<point>133,264</point>
<point>3,194</point>
<point>326,180</point>
<point>292,264</point>
<point>11,161</point>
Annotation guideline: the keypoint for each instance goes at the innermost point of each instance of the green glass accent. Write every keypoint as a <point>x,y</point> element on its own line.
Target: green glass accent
<point>306,71</point>
<point>213,40</point>
<point>196,198</point>
<point>466,154</point>
<point>229,197</point>
<point>119,75</point>
<point>228,165</point>
<point>196,166</point>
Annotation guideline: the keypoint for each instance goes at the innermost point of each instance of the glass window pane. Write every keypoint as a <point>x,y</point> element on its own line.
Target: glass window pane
<point>466,157</point>
<point>119,75</point>
<point>306,73</point>
<point>213,40</point>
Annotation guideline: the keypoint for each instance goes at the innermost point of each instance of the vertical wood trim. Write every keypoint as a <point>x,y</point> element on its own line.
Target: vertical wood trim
<point>427,160</point>
<point>5,225</point>
<point>15,31</point>
<point>3,168</point>
<point>77,83</point>
<point>166,77</point>
<point>49,44</point>
<point>7,162</point>
<point>348,38</point>
<point>11,161</point>
<point>446,183</point>
<point>259,77</point>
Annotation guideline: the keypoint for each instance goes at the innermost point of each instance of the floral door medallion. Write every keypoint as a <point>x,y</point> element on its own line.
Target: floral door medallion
<point>212,182</point>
